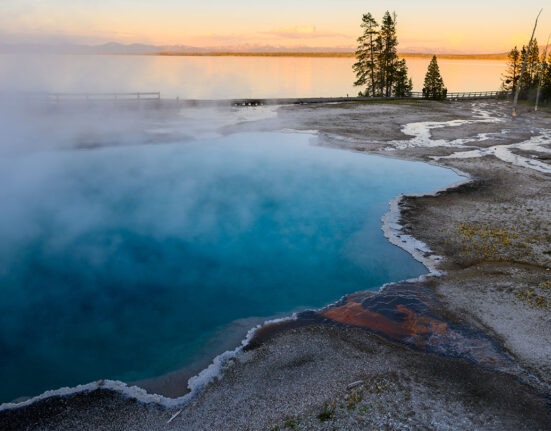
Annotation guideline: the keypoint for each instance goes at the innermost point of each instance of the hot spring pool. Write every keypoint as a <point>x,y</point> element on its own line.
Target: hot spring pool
<point>123,262</point>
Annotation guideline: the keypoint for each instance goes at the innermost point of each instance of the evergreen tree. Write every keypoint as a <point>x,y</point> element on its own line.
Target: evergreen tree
<point>530,77</point>
<point>377,66</point>
<point>367,54</point>
<point>434,84</point>
<point>535,63</point>
<point>388,57</point>
<point>512,74</point>
<point>546,80</point>
<point>402,85</point>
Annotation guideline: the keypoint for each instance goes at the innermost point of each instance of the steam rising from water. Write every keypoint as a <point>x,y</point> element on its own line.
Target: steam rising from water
<point>128,237</point>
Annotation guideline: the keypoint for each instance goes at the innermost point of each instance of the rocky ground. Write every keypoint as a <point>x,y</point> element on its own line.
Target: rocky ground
<point>495,236</point>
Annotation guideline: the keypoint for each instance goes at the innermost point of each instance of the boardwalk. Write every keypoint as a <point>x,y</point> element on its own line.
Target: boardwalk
<point>414,95</point>
<point>469,95</point>
<point>89,98</point>
<point>62,97</point>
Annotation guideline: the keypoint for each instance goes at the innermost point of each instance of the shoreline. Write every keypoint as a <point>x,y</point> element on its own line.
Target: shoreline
<point>398,226</point>
<point>394,232</point>
<point>304,54</point>
<point>424,56</point>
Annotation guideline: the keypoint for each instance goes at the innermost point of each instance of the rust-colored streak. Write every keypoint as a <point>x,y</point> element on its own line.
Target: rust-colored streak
<point>412,327</point>
<point>406,313</point>
<point>354,314</point>
<point>423,324</point>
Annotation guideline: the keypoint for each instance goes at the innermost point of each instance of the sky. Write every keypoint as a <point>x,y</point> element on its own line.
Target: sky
<point>476,26</point>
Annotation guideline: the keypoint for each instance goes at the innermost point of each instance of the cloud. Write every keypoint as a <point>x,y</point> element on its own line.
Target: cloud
<point>302,32</point>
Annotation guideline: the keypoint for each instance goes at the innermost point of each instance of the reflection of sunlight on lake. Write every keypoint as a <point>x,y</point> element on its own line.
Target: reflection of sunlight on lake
<point>461,75</point>
<point>221,77</point>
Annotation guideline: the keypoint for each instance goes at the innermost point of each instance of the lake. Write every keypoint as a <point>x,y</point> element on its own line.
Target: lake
<point>125,262</point>
<point>220,77</point>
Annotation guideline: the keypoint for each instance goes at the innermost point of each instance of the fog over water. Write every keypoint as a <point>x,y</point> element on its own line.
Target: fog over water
<point>131,236</point>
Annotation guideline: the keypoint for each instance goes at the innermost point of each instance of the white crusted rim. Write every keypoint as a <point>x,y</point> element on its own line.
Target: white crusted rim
<point>196,383</point>
<point>393,229</point>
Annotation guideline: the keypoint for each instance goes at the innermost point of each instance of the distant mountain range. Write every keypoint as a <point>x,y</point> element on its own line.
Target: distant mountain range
<point>107,48</point>
<point>114,48</point>
<point>138,48</point>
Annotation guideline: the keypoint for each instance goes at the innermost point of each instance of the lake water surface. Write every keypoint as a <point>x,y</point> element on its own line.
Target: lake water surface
<point>124,262</point>
<point>221,77</point>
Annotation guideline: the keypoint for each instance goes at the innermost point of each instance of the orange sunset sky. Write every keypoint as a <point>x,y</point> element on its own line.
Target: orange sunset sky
<point>468,26</point>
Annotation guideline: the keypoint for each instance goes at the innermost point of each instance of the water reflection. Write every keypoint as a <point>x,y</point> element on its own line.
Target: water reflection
<point>220,77</point>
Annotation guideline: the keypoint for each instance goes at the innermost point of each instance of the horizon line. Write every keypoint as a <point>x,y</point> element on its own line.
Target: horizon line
<point>313,54</point>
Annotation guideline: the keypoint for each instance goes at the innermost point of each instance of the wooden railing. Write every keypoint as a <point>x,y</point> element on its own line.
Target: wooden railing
<point>468,95</point>
<point>57,97</point>
<point>471,95</point>
<point>156,96</point>
<point>77,97</point>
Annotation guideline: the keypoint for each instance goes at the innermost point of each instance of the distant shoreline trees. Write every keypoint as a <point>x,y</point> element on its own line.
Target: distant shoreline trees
<point>377,66</point>
<point>536,63</point>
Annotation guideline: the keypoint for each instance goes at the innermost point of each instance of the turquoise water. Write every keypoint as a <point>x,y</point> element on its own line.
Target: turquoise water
<point>121,262</point>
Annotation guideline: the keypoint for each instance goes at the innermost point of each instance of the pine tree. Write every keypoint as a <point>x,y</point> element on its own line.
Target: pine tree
<point>546,80</point>
<point>402,85</point>
<point>366,54</point>
<point>530,77</point>
<point>512,74</point>
<point>388,57</point>
<point>534,63</point>
<point>434,84</point>
<point>377,65</point>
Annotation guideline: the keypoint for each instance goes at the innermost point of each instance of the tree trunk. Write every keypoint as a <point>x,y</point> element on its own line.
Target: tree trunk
<point>372,66</point>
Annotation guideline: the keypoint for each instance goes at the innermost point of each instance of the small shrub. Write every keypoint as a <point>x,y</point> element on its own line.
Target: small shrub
<point>327,412</point>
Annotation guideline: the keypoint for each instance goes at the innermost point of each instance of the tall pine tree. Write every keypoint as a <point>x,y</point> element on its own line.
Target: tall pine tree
<point>434,84</point>
<point>367,54</point>
<point>530,77</point>
<point>378,68</point>
<point>512,74</point>
<point>388,57</point>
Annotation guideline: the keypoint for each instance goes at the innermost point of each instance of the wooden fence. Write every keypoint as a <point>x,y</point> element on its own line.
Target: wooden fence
<point>62,97</point>
<point>468,95</point>
<point>59,97</point>
<point>472,95</point>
